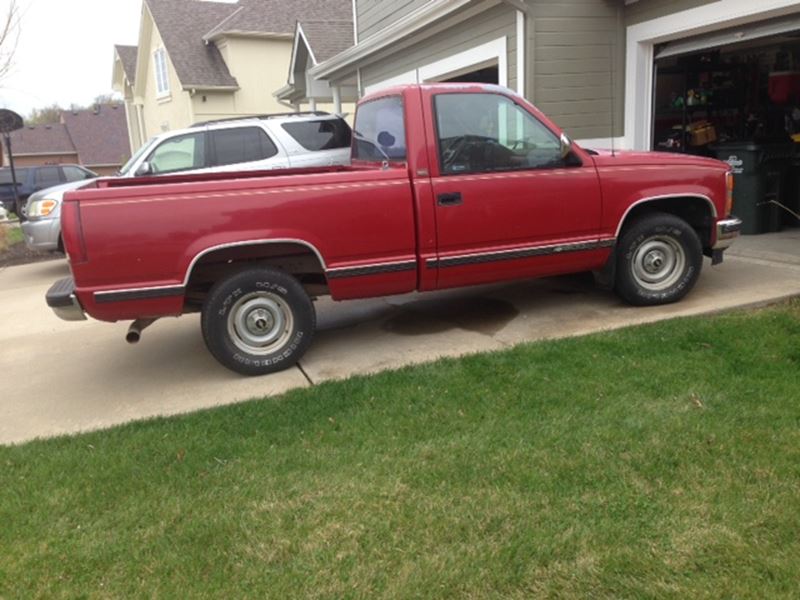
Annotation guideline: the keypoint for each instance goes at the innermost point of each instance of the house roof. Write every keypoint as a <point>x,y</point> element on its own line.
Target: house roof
<point>100,136</point>
<point>127,56</point>
<point>279,17</point>
<point>188,28</point>
<point>182,25</point>
<point>42,139</point>
<point>328,38</point>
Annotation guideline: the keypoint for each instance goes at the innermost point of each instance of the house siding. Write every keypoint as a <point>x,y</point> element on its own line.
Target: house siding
<point>163,114</point>
<point>375,15</point>
<point>576,57</point>
<point>645,10</point>
<point>484,27</point>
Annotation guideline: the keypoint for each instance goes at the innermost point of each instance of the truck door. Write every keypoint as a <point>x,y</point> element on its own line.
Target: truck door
<point>508,204</point>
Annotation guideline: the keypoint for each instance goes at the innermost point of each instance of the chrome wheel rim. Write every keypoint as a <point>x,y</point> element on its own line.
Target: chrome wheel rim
<point>659,263</point>
<point>260,323</point>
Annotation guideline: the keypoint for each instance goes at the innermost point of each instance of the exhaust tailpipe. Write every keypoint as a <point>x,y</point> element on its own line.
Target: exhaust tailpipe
<point>135,330</point>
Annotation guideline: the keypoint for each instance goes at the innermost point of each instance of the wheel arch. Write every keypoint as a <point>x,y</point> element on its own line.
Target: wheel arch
<point>698,210</point>
<point>294,256</point>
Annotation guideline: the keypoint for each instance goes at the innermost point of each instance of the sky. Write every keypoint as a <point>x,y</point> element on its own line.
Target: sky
<point>65,52</point>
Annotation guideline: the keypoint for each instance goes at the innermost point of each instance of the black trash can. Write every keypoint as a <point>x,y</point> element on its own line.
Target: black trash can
<point>760,176</point>
<point>792,198</point>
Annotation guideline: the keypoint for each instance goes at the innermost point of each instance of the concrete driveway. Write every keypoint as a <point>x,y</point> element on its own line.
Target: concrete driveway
<point>60,377</point>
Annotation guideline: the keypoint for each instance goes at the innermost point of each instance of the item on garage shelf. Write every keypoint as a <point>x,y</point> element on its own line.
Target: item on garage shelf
<point>700,133</point>
<point>760,174</point>
<point>784,86</point>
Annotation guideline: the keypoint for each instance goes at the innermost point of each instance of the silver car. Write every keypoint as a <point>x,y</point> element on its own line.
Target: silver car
<point>292,140</point>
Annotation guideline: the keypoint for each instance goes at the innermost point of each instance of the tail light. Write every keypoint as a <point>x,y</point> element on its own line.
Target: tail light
<point>72,232</point>
<point>729,193</point>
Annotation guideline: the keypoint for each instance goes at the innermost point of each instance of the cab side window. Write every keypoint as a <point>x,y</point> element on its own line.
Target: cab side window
<point>480,133</point>
<point>180,153</point>
<point>241,145</point>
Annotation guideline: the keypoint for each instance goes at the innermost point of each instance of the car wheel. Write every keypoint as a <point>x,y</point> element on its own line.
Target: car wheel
<point>659,260</point>
<point>21,209</point>
<point>258,321</point>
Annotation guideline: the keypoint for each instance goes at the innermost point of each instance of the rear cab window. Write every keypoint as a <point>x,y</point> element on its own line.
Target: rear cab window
<point>380,131</point>
<point>321,134</point>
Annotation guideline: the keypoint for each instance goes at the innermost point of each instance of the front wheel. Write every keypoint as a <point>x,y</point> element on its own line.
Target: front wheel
<point>658,260</point>
<point>258,321</point>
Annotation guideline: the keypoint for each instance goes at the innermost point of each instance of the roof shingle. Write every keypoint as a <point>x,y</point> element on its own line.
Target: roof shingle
<point>280,16</point>
<point>100,136</point>
<point>328,38</point>
<point>42,139</point>
<point>128,57</point>
<point>182,25</point>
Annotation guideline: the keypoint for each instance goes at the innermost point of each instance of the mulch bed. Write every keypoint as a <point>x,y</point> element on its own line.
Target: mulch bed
<point>20,254</point>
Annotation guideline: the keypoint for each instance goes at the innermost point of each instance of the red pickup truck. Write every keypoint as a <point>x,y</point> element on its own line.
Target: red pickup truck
<point>450,185</point>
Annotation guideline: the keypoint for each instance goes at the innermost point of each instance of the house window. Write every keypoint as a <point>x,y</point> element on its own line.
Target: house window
<point>162,76</point>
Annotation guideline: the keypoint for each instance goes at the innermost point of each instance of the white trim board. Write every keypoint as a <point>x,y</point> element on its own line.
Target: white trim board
<point>521,53</point>
<point>642,38</point>
<point>602,143</point>
<point>496,50</point>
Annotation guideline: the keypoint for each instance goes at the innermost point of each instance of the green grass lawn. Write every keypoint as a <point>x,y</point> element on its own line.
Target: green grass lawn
<point>660,461</point>
<point>15,236</point>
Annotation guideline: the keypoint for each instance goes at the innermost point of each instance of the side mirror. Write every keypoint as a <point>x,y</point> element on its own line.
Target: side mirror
<point>566,146</point>
<point>144,169</point>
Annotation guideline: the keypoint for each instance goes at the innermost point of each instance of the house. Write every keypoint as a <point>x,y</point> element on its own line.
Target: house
<point>592,65</point>
<point>198,60</point>
<point>315,42</point>
<point>96,138</point>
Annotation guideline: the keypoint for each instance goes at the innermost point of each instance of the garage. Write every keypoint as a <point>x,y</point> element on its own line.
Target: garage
<point>734,95</point>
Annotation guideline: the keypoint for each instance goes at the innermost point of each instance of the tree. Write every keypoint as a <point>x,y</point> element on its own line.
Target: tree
<point>45,116</point>
<point>9,37</point>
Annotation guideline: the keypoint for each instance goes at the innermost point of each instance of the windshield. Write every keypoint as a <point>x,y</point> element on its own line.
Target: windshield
<point>135,158</point>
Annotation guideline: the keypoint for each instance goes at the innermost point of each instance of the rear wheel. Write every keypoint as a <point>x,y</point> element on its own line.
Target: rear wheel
<point>258,321</point>
<point>658,260</point>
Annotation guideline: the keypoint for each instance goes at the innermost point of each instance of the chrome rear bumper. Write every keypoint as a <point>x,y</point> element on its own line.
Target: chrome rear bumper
<point>61,298</point>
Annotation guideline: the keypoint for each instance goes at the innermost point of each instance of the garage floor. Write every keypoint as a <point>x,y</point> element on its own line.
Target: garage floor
<point>61,377</point>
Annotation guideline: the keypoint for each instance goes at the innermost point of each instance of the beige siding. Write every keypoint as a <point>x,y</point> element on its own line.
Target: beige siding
<point>173,111</point>
<point>485,27</point>
<point>374,15</point>
<point>644,10</point>
<point>575,50</point>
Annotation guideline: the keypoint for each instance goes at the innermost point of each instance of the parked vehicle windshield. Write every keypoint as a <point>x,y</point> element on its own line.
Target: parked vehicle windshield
<point>124,171</point>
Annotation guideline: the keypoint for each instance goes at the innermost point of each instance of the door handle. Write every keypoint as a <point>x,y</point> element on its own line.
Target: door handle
<point>453,199</point>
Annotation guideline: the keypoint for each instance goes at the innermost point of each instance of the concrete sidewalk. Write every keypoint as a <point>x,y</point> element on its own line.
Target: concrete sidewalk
<point>61,377</point>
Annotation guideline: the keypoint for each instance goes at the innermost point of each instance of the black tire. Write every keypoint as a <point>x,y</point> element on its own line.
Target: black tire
<point>246,310</point>
<point>19,209</point>
<point>659,260</point>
